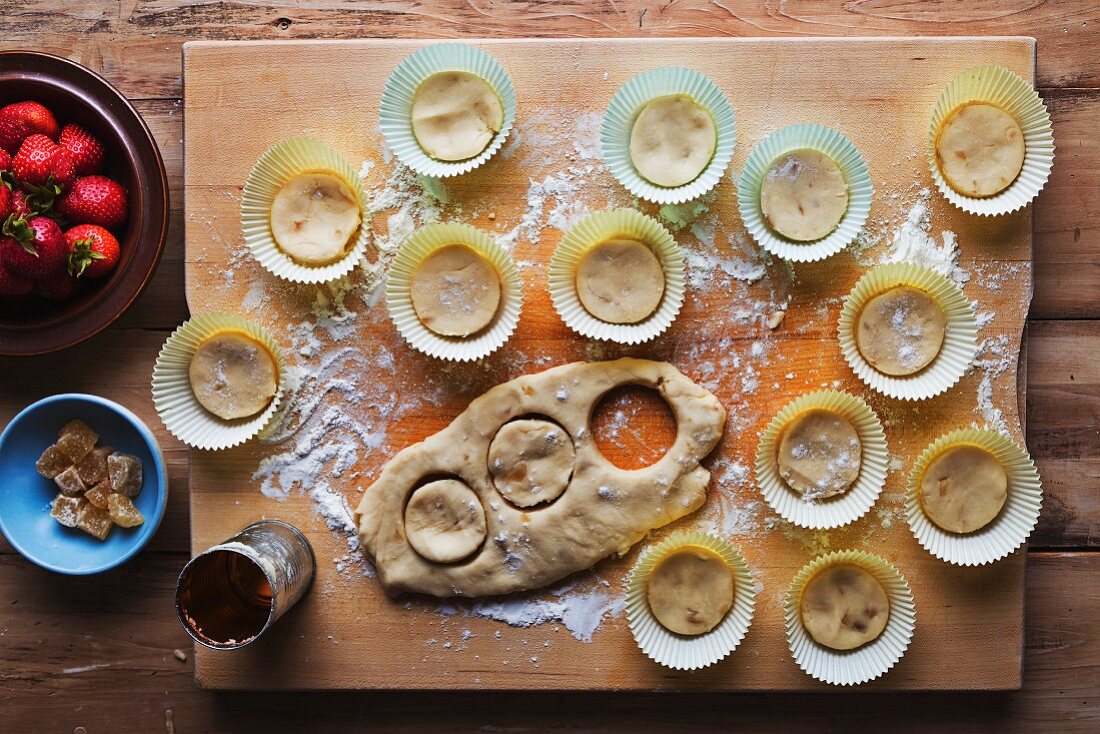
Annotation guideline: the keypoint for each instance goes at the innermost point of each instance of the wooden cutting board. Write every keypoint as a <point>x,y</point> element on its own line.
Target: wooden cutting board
<point>242,97</point>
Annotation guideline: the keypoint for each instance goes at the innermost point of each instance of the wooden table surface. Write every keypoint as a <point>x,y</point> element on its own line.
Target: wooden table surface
<point>96,654</point>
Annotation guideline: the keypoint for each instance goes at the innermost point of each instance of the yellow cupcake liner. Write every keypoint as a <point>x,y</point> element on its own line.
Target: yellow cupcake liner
<point>1012,526</point>
<point>600,227</point>
<point>418,246</point>
<point>1001,87</point>
<point>830,512</point>
<point>684,652</point>
<point>960,342</point>
<point>277,165</point>
<point>175,402</point>
<point>866,663</point>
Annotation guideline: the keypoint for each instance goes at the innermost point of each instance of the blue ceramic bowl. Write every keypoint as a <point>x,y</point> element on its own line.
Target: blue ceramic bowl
<point>25,495</point>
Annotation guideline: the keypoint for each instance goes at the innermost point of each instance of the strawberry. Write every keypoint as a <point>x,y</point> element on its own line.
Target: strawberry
<point>7,204</point>
<point>58,287</point>
<point>93,251</point>
<point>20,205</point>
<point>94,200</point>
<point>5,160</point>
<point>20,120</point>
<point>41,164</point>
<point>85,150</point>
<point>13,285</point>
<point>33,248</point>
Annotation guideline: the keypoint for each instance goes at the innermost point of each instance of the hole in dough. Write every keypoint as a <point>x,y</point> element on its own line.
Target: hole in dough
<point>531,461</point>
<point>633,426</point>
<point>444,521</point>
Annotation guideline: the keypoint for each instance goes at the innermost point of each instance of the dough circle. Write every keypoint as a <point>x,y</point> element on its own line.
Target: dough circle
<point>963,489</point>
<point>844,607</point>
<point>980,149</point>
<point>314,216</point>
<point>672,140</point>
<point>900,331</point>
<point>233,376</point>
<point>455,115</point>
<point>804,195</point>
<point>620,281</point>
<point>444,521</point>
<point>819,454</point>
<point>531,461</point>
<point>455,291</point>
<point>690,590</point>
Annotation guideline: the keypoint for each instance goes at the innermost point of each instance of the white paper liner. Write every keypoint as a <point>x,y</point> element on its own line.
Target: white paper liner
<point>831,512</point>
<point>960,342</point>
<point>627,103</point>
<point>834,145</point>
<point>1012,526</point>
<point>687,652</point>
<point>395,111</point>
<point>181,412</point>
<point>600,227</point>
<point>277,165</point>
<point>399,295</point>
<point>1001,87</point>
<point>865,663</point>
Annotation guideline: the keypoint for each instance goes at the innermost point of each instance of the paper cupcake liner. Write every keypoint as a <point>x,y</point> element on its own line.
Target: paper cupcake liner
<point>600,227</point>
<point>628,102</point>
<point>1008,531</point>
<point>863,664</point>
<point>399,296</point>
<point>831,512</point>
<point>960,342</point>
<point>395,112</point>
<point>181,412</point>
<point>998,86</point>
<point>824,140</point>
<point>277,165</point>
<point>684,652</point>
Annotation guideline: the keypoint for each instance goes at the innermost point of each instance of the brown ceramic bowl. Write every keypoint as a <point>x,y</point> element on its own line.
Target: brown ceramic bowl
<point>75,94</point>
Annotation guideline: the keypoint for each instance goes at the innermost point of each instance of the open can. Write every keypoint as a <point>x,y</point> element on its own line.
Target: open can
<point>229,595</point>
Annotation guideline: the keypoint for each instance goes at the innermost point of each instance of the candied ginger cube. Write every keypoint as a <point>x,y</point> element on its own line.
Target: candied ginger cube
<point>123,512</point>
<point>94,521</point>
<point>76,440</point>
<point>52,462</point>
<point>99,495</point>
<point>93,469</point>
<point>125,473</point>
<point>66,510</point>
<point>69,482</point>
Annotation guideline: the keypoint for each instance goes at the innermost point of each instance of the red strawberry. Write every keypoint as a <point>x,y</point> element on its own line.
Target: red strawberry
<point>58,287</point>
<point>43,164</point>
<point>94,200</point>
<point>93,251</point>
<point>20,120</point>
<point>85,149</point>
<point>7,205</point>
<point>5,160</point>
<point>13,285</point>
<point>33,248</point>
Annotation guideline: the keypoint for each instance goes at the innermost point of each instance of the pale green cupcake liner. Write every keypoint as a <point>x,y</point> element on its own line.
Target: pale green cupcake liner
<point>865,663</point>
<point>1012,526</point>
<point>277,165</point>
<point>399,296</point>
<point>830,512</point>
<point>1001,87</point>
<point>181,412</point>
<point>627,103</point>
<point>600,227</point>
<point>832,144</point>
<point>960,342</point>
<point>395,111</point>
<point>684,652</point>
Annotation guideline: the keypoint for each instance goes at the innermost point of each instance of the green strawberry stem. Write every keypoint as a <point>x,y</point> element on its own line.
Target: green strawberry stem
<point>41,198</point>
<point>20,231</point>
<point>81,256</point>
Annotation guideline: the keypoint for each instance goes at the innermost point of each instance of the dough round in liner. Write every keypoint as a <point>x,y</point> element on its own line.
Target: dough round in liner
<point>233,376</point>
<point>531,461</point>
<point>963,489</point>
<point>620,281</point>
<point>690,590</point>
<point>804,195</point>
<point>444,521</point>
<point>980,150</point>
<point>844,607</point>
<point>672,140</point>
<point>455,115</point>
<point>900,331</point>
<point>819,454</point>
<point>455,291</point>
<point>313,218</point>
